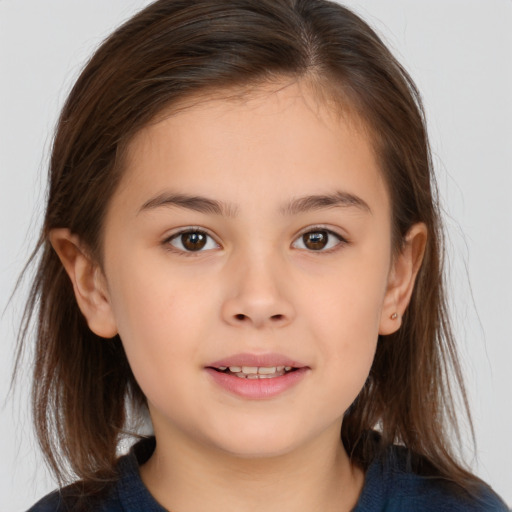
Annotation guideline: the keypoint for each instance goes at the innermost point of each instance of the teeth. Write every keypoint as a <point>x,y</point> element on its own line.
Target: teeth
<point>250,369</point>
<point>261,370</point>
<point>256,372</point>
<point>267,371</point>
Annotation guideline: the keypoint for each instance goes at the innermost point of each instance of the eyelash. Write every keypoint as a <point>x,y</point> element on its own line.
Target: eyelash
<point>177,236</point>
<point>342,241</point>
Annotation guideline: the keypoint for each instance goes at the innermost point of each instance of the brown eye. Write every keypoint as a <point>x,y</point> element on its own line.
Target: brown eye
<point>192,241</point>
<point>320,240</point>
<point>315,240</point>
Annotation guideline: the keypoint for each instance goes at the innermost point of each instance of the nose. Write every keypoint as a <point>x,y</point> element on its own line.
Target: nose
<point>258,295</point>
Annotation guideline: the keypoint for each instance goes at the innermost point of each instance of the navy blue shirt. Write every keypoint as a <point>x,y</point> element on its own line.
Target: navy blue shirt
<point>389,487</point>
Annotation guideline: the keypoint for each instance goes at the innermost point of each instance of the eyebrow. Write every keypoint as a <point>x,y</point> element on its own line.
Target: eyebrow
<point>196,203</point>
<point>322,201</point>
<point>294,207</point>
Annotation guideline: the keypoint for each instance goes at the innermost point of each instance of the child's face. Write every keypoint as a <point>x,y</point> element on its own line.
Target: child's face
<point>278,271</point>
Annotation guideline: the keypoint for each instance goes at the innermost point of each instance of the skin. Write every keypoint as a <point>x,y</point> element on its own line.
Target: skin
<point>255,287</point>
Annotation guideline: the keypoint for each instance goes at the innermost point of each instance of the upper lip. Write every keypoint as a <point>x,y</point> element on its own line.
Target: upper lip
<point>260,360</point>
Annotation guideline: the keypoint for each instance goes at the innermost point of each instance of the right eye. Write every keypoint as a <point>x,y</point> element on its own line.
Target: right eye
<point>192,240</point>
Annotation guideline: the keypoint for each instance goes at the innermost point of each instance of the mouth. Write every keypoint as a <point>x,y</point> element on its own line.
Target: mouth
<point>255,372</point>
<point>257,377</point>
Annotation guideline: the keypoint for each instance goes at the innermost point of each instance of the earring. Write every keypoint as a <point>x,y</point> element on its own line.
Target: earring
<point>394,316</point>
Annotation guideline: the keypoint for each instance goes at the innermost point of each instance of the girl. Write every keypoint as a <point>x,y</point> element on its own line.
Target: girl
<point>242,240</point>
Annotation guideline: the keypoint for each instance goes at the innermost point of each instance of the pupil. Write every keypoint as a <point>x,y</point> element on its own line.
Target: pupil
<point>193,241</point>
<point>316,240</point>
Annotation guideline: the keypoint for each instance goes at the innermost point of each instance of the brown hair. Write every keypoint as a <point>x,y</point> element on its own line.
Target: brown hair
<point>172,50</point>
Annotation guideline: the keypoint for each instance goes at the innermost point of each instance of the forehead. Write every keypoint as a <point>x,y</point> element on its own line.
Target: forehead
<point>254,138</point>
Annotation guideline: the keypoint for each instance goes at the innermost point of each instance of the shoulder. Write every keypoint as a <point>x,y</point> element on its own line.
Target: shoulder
<point>393,485</point>
<point>69,500</point>
<point>50,503</point>
<point>412,491</point>
<point>125,494</point>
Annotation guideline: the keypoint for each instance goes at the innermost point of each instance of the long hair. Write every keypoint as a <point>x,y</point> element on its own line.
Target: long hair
<point>176,49</point>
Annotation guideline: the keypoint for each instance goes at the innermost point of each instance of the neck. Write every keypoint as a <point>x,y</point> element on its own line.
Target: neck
<point>316,477</point>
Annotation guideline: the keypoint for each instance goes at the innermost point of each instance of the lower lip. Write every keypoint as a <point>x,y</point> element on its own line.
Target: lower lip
<point>257,389</point>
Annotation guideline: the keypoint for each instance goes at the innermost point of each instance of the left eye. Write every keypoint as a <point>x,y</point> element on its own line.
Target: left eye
<point>318,240</point>
<point>192,241</point>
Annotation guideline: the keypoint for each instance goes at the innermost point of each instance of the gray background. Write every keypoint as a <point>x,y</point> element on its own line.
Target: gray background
<point>460,54</point>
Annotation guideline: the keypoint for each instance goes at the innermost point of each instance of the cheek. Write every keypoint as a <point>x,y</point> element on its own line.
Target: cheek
<point>345,323</point>
<point>349,302</point>
<point>149,297</point>
<point>158,319</point>
<point>348,348</point>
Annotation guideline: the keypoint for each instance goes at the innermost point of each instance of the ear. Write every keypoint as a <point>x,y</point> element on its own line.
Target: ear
<point>402,276</point>
<point>88,282</point>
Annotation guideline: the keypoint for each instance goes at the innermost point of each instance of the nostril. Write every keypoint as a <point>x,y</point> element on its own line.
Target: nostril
<point>241,317</point>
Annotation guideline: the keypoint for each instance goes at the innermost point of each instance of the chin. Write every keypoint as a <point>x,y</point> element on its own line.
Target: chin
<point>259,442</point>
